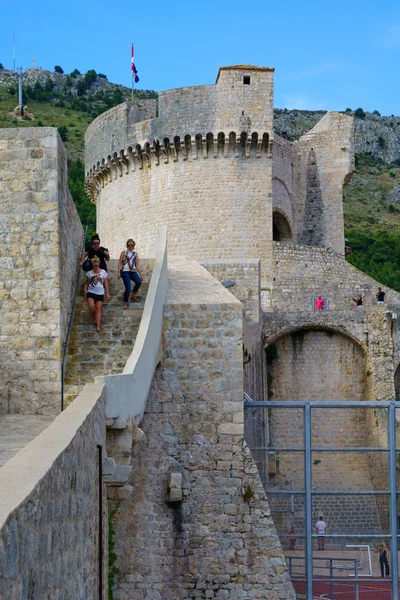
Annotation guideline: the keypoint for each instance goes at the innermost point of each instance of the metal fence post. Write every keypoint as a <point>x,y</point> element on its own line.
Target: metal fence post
<point>393,500</point>
<point>356,578</point>
<point>308,500</point>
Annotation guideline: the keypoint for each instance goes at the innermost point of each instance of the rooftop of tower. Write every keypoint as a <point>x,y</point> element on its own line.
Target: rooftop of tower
<point>245,68</point>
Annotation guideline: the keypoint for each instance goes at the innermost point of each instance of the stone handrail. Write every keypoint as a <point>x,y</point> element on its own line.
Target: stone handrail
<point>127,393</point>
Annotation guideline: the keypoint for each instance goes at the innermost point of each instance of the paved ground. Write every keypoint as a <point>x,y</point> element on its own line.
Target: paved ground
<point>16,431</point>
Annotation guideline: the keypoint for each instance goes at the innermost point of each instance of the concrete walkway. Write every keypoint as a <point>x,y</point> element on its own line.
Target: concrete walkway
<point>16,431</point>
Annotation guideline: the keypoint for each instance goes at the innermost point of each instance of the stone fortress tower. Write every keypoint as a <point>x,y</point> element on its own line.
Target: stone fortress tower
<point>267,213</point>
<point>205,162</point>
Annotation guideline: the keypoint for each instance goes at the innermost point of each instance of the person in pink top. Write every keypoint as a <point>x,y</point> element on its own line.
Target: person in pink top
<point>319,303</point>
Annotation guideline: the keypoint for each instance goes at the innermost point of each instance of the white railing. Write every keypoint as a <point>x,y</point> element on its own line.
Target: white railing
<point>127,393</point>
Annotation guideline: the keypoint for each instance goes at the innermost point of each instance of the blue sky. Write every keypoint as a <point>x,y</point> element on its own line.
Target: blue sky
<point>327,55</point>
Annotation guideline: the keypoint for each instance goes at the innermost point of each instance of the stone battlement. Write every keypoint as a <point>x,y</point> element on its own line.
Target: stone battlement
<point>186,148</point>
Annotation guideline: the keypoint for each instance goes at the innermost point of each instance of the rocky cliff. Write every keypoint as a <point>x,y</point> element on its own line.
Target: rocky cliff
<point>376,136</point>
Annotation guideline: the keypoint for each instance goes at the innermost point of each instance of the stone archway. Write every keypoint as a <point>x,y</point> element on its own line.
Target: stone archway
<point>281,231</point>
<point>320,364</point>
<point>316,364</point>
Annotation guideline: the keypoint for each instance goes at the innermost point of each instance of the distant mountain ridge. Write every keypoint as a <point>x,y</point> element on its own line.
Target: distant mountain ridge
<point>68,83</point>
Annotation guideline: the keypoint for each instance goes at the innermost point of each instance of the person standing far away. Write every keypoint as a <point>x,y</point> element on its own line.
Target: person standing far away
<point>380,296</point>
<point>96,250</point>
<point>319,303</point>
<point>358,302</point>
<point>383,558</point>
<point>293,539</point>
<point>320,528</point>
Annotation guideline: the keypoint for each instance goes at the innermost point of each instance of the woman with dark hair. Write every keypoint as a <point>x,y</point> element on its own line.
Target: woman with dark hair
<point>96,250</point>
<point>96,286</point>
<point>129,270</point>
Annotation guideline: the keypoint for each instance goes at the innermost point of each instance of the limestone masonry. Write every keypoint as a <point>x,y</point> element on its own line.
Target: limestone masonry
<point>189,507</point>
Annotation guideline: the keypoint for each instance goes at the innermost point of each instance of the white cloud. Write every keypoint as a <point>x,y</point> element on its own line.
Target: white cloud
<point>302,102</point>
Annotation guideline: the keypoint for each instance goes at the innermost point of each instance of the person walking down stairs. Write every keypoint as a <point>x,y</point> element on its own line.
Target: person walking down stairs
<point>129,270</point>
<point>95,286</point>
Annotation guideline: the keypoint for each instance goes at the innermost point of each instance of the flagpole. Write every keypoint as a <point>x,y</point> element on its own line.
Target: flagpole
<point>132,74</point>
<point>133,70</point>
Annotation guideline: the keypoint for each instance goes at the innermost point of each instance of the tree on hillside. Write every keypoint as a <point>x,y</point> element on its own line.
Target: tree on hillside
<point>359,113</point>
<point>75,72</point>
<point>58,69</point>
<point>1,66</point>
<point>63,131</point>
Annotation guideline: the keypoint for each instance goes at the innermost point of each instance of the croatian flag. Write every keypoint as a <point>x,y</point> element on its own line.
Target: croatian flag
<point>134,70</point>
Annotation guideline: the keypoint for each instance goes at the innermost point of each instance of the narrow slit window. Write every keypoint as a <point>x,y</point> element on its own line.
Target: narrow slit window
<point>246,79</point>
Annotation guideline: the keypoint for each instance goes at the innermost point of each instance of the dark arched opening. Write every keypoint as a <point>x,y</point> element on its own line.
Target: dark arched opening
<point>397,382</point>
<point>281,231</point>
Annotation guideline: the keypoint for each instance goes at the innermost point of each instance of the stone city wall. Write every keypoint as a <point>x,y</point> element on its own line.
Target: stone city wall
<point>41,238</point>
<point>246,275</point>
<point>49,517</point>
<point>70,243</point>
<point>323,160</point>
<point>303,272</point>
<point>212,543</point>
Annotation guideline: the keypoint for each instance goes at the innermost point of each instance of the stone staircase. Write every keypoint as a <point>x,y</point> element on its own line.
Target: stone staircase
<point>89,353</point>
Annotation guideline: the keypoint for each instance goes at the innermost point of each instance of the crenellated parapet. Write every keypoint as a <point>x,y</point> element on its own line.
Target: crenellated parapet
<point>186,148</point>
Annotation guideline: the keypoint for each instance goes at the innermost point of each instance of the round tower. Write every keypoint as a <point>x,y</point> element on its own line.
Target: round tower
<point>199,162</point>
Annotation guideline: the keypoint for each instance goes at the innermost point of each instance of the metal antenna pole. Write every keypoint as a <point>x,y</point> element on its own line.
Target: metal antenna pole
<point>20,87</point>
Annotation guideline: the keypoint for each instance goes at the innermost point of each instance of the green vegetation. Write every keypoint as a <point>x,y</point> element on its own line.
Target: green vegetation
<point>372,220</point>
<point>85,208</point>
<point>112,557</point>
<point>359,113</point>
<point>58,69</point>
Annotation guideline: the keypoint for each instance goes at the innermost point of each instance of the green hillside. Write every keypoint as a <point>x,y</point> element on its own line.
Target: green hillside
<point>372,219</point>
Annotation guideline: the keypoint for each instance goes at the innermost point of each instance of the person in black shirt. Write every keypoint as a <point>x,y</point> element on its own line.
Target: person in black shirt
<point>96,250</point>
<point>380,296</point>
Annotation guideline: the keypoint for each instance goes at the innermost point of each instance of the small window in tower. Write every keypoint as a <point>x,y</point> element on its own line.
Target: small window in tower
<point>246,79</point>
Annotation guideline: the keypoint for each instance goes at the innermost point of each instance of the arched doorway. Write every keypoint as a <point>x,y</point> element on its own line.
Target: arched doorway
<point>318,364</point>
<point>281,231</point>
